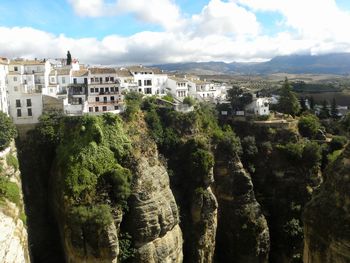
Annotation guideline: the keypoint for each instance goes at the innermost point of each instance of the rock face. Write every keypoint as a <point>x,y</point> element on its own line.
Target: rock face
<point>243,234</point>
<point>327,216</point>
<point>153,219</point>
<point>13,233</point>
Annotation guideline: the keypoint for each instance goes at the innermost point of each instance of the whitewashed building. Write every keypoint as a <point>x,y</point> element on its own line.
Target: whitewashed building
<point>259,106</point>
<point>178,87</point>
<point>3,85</point>
<point>26,80</point>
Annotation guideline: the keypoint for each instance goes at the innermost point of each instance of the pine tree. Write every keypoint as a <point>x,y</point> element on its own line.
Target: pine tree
<point>324,113</point>
<point>69,58</point>
<point>303,104</point>
<point>288,102</point>
<point>334,110</point>
<point>312,102</point>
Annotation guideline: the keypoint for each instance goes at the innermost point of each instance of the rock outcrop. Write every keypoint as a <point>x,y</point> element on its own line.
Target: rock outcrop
<point>153,219</point>
<point>243,234</point>
<point>327,216</point>
<point>13,233</point>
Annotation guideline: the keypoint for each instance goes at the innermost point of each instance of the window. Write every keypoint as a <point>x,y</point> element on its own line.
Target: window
<point>107,79</point>
<point>15,88</point>
<point>96,79</point>
<point>19,113</point>
<point>140,82</point>
<point>107,89</point>
<point>91,90</point>
<point>16,68</point>
<point>90,109</point>
<point>92,79</point>
<point>18,103</point>
<point>148,90</point>
<point>15,79</point>
<point>30,112</point>
<point>104,108</point>
<point>105,99</point>
<point>112,98</point>
<point>116,89</point>
<point>52,79</point>
<point>116,107</point>
<point>63,80</point>
<point>96,109</point>
<point>112,89</point>
<point>102,90</point>
<point>112,79</point>
<point>97,99</point>
<point>29,102</point>
<point>96,90</point>
<point>147,82</point>
<point>75,81</point>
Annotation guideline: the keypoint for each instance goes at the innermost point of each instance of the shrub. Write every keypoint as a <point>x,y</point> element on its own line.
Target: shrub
<point>189,101</point>
<point>125,246</point>
<point>12,161</point>
<point>308,126</point>
<point>168,97</point>
<point>9,190</point>
<point>202,161</point>
<point>312,155</point>
<point>7,131</point>
<point>99,215</point>
<point>337,143</point>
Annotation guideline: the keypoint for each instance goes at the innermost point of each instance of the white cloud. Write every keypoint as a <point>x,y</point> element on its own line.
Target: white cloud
<point>163,12</point>
<point>223,18</point>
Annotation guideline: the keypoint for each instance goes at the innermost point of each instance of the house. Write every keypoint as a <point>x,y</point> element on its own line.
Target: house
<point>104,92</point>
<point>26,80</point>
<point>259,106</point>
<point>3,86</point>
<point>59,80</point>
<point>178,87</point>
<point>149,81</point>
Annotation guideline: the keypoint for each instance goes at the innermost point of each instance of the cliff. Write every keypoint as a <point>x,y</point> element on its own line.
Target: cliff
<point>243,234</point>
<point>13,238</point>
<point>327,216</point>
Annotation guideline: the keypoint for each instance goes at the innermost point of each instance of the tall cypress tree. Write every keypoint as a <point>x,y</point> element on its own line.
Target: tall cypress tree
<point>288,102</point>
<point>334,110</point>
<point>69,58</point>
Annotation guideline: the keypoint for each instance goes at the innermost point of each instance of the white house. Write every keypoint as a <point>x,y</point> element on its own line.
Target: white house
<point>259,106</point>
<point>178,87</point>
<point>26,79</point>
<point>3,85</point>
<point>149,81</point>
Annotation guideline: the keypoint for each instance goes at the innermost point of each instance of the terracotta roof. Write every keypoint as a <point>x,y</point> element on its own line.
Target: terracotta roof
<point>157,71</point>
<point>80,73</point>
<point>27,62</point>
<point>63,71</point>
<point>140,69</point>
<point>123,73</point>
<point>102,70</point>
<point>178,79</point>
<point>3,61</point>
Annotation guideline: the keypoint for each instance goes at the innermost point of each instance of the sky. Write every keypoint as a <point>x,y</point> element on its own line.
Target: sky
<point>123,32</point>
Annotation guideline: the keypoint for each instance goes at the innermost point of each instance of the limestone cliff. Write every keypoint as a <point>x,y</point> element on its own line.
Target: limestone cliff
<point>327,216</point>
<point>243,234</point>
<point>13,233</point>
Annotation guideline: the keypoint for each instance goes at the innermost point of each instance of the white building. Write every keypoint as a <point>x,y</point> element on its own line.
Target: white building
<point>3,85</point>
<point>26,80</point>
<point>104,92</point>
<point>59,80</point>
<point>178,87</point>
<point>149,81</point>
<point>259,106</point>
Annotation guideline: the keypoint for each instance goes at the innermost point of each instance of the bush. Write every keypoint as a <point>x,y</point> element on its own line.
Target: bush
<point>99,215</point>
<point>168,97</point>
<point>9,190</point>
<point>125,246</point>
<point>337,143</point>
<point>189,101</point>
<point>308,126</point>
<point>7,131</point>
<point>312,155</point>
<point>12,161</point>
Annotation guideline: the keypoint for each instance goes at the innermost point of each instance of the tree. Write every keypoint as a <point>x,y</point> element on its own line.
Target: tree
<point>288,102</point>
<point>312,102</point>
<point>238,98</point>
<point>334,110</point>
<point>324,113</point>
<point>309,125</point>
<point>69,58</point>
<point>7,131</point>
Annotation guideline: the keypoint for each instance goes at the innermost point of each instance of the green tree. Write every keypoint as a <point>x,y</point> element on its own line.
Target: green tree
<point>334,110</point>
<point>324,112</point>
<point>303,104</point>
<point>69,58</point>
<point>309,125</point>
<point>288,102</point>
<point>312,102</point>
<point>7,131</point>
<point>238,98</point>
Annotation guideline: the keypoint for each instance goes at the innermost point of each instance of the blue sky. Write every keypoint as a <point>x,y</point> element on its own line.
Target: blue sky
<point>182,30</point>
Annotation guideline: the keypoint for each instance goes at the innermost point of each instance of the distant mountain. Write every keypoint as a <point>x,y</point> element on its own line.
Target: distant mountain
<point>294,64</point>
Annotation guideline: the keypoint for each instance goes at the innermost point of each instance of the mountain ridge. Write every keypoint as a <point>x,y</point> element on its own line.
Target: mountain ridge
<point>334,63</point>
